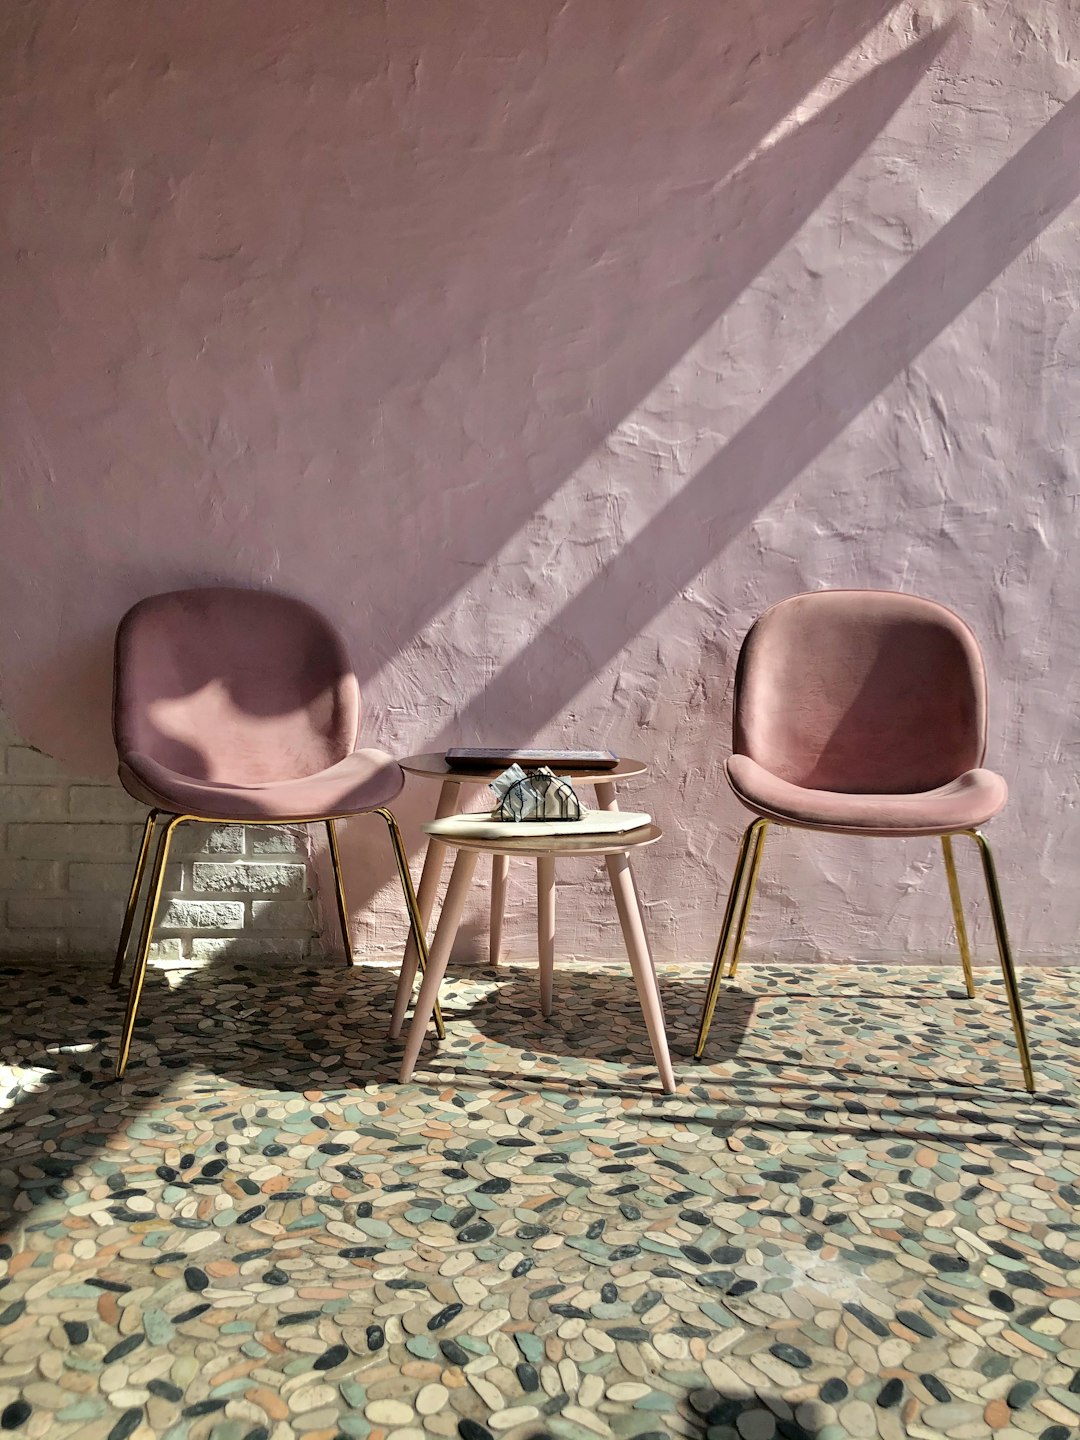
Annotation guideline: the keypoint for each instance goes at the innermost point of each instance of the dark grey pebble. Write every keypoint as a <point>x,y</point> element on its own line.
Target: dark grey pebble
<point>1021,1394</point>
<point>444,1316</point>
<point>916,1323</point>
<point>473,1234</point>
<point>196,1279</point>
<point>128,1423</point>
<point>122,1348</point>
<point>864,1317</point>
<point>15,1414</point>
<point>453,1352</point>
<point>165,1390</point>
<point>472,1430</point>
<point>375,1337</point>
<point>791,1355</point>
<point>329,1358</point>
<point>202,1407</point>
<point>528,1379</point>
<point>891,1393</point>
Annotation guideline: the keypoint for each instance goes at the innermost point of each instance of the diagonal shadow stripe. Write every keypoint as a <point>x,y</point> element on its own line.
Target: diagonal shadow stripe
<point>965,256</point>
<point>669,277</point>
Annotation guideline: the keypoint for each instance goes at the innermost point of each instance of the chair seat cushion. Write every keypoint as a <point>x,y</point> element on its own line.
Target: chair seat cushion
<point>362,781</point>
<point>970,800</point>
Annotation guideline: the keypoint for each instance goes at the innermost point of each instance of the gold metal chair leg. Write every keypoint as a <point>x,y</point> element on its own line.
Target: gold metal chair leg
<point>157,880</point>
<point>133,899</point>
<point>1008,970</point>
<point>748,898</point>
<point>958,915</point>
<point>339,882</point>
<point>721,945</point>
<point>416,924</point>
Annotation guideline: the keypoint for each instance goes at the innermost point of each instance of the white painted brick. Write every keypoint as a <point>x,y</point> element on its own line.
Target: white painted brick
<point>278,840</point>
<point>25,875</point>
<point>103,802</point>
<point>32,802</point>
<point>167,950</point>
<point>62,912</point>
<point>67,846</point>
<point>202,915</point>
<point>197,839</point>
<point>255,878</point>
<point>206,949</point>
<point>31,841</point>
<point>26,763</point>
<point>282,915</point>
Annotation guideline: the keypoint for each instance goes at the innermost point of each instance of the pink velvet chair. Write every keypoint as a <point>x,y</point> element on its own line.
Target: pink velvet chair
<point>863,712</point>
<point>240,706</point>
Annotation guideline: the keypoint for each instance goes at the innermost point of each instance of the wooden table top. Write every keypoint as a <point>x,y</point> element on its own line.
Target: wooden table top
<point>434,767</point>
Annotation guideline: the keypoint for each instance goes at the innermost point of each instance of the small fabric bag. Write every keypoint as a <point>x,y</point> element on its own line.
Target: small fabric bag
<point>534,795</point>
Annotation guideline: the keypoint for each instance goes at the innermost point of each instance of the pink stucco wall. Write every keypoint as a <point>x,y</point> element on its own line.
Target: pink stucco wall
<point>543,345</point>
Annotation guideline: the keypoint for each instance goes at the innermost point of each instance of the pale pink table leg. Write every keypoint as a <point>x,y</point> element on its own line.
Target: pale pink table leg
<point>545,929</point>
<point>425,899</point>
<point>441,945</point>
<point>607,800</point>
<point>500,865</point>
<point>637,948</point>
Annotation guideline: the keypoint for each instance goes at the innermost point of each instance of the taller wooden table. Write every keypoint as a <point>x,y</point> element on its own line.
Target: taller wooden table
<point>453,778</point>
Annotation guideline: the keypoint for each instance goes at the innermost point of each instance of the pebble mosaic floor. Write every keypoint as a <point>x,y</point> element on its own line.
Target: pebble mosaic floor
<point>849,1221</point>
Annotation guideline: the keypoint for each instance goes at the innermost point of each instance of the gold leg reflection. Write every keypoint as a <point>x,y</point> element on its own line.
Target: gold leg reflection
<point>133,898</point>
<point>1008,969</point>
<point>416,925</point>
<point>157,879</point>
<point>750,834</point>
<point>748,899</point>
<point>958,915</point>
<point>339,883</point>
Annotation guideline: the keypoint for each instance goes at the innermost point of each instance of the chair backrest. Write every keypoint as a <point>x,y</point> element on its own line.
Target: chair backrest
<point>241,686</point>
<point>861,691</point>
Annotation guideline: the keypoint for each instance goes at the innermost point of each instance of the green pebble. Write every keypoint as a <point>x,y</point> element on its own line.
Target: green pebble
<point>86,1409</point>
<point>158,1327</point>
<point>717,1313</point>
<point>422,1346</point>
<point>354,1425</point>
<point>353,1394</point>
<point>656,1400</point>
<point>529,1345</point>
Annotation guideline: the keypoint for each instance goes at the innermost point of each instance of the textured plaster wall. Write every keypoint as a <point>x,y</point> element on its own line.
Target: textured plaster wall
<point>542,346</point>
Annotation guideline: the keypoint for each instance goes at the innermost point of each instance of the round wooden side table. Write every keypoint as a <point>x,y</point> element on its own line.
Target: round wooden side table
<point>453,778</point>
<point>616,850</point>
